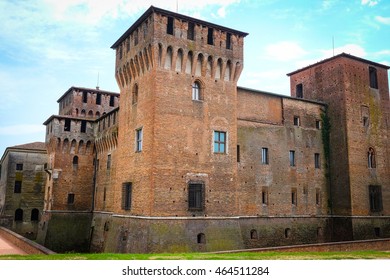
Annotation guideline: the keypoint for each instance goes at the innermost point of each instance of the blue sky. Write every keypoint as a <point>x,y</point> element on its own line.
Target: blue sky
<point>47,46</point>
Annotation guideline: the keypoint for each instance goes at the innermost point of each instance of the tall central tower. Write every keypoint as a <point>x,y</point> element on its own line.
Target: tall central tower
<point>178,121</point>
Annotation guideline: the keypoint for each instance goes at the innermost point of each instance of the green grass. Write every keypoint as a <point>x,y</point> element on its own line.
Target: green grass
<point>205,256</point>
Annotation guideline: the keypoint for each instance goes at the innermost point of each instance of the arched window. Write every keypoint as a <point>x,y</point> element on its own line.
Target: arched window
<point>253,234</point>
<point>135,94</point>
<point>196,91</point>
<point>168,59</point>
<point>287,232</point>
<point>75,160</point>
<point>371,158</point>
<point>179,60</point>
<point>201,238</point>
<point>189,63</point>
<point>18,214</point>
<point>35,214</point>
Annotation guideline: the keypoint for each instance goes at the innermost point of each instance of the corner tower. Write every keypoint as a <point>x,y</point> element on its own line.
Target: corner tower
<point>178,121</point>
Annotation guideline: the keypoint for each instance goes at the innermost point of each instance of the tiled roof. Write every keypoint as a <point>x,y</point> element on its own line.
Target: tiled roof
<point>31,146</point>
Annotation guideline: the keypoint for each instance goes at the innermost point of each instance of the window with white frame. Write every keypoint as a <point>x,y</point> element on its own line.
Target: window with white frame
<point>219,142</point>
<point>196,91</point>
<point>138,140</point>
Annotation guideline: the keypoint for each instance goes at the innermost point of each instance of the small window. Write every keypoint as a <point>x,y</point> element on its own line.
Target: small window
<point>297,121</point>
<point>70,198</point>
<point>201,238</point>
<point>18,214</point>
<point>238,153</point>
<point>318,124</point>
<point>219,142</point>
<point>210,36</point>
<point>135,37</point>
<point>299,90</point>
<point>317,163</point>
<point>365,121</point>
<point>18,187</point>
<point>375,196</point>
<point>135,94</point>
<point>228,41</point>
<point>373,77</point>
<point>112,101</point>
<point>138,140</point>
<point>264,197</point>
<point>99,99</point>
<point>126,195</point>
<point>75,160</point>
<point>108,162</point>
<point>196,197</point>
<point>318,197</point>
<point>254,234</point>
<point>294,197</point>
<point>34,215</point>
<point>83,127</point>
<point>191,31</point>
<point>67,125</point>
<point>264,156</point>
<point>292,158</point>
<point>170,26</point>
<point>85,97</point>
<point>19,166</point>
<point>377,232</point>
<point>287,233</point>
<point>371,158</point>
<point>196,91</point>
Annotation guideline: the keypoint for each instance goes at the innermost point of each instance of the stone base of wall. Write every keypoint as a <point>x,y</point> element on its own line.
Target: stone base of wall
<point>6,221</point>
<point>65,231</point>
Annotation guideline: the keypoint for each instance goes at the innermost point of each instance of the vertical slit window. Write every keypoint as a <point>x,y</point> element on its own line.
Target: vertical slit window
<point>299,90</point>
<point>317,162</point>
<point>228,41</point>
<point>210,36</point>
<point>292,158</point>
<point>375,196</point>
<point>126,195</point>
<point>170,26</point>
<point>191,31</point>
<point>138,140</point>
<point>373,77</point>
<point>264,156</point>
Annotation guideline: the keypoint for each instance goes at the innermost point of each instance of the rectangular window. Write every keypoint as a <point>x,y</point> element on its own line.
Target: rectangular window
<point>112,101</point>
<point>228,41</point>
<point>191,31</point>
<point>170,26</point>
<point>264,197</point>
<point>292,158</point>
<point>318,197</point>
<point>138,140</point>
<point>18,187</point>
<point>83,128</point>
<point>19,166</point>
<point>135,37</point>
<point>297,121</point>
<point>317,162</point>
<point>85,97</point>
<point>210,36</point>
<point>108,162</point>
<point>318,124</point>
<point>264,156</point>
<point>67,125</point>
<point>196,197</point>
<point>294,197</point>
<point>238,153</point>
<point>98,98</point>
<point>70,198</point>
<point>373,77</point>
<point>375,195</point>
<point>219,142</point>
<point>126,195</point>
<point>299,90</point>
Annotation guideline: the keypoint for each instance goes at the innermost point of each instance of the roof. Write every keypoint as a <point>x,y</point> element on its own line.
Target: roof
<point>153,9</point>
<point>338,56</point>
<point>30,146</point>
<point>87,89</point>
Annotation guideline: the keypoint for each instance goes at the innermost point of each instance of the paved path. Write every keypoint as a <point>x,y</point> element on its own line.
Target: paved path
<point>7,248</point>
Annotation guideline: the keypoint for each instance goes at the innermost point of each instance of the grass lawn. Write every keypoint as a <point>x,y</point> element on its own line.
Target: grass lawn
<point>206,256</point>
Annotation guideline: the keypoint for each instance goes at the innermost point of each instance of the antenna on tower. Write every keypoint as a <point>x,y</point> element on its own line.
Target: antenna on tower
<point>97,84</point>
<point>333,44</point>
<point>177,6</point>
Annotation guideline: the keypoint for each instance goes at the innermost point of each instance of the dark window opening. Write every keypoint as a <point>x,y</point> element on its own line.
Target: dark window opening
<point>135,94</point>
<point>318,124</point>
<point>264,197</point>
<point>70,198</point>
<point>126,196</point>
<point>294,197</point>
<point>373,77</point>
<point>18,187</point>
<point>317,161</point>
<point>201,238</point>
<point>170,26</point>
<point>287,233</point>
<point>85,97</point>
<point>19,166</point>
<point>18,214</point>
<point>264,156</point>
<point>318,197</point>
<point>375,196</point>
<point>191,31</point>
<point>75,160</point>
<point>299,90</point>
<point>377,232</point>
<point>108,162</point>
<point>135,37</point>
<point>112,100</point>
<point>210,36</point>
<point>67,125</point>
<point>371,158</point>
<point>99,99</point>
<point>34,214</point>
<point>297,121</point>
<point>254,234</point>
<point>238,153</point>
<point>83,126</point>
<point>196,197</point>
<point>228,41</point>
<point>365,121</point>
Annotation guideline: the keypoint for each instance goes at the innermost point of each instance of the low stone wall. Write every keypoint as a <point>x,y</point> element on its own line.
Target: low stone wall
<point>361,245</point>
<point>23,243</point>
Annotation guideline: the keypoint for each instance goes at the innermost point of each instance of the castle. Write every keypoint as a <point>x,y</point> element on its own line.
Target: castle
<point>189,161</point>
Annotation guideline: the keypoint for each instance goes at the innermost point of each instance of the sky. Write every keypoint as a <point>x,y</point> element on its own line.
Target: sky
<point>47,46</point>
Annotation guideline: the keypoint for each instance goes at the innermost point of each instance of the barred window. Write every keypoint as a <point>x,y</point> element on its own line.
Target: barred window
<point>196,197</point>
<point>126,195</point>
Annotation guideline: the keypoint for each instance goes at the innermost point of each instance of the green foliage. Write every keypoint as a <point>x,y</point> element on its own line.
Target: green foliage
<point>325,134</point>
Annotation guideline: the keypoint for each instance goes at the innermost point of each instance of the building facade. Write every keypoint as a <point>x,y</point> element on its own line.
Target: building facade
<point>22,187</point>
<point>191,162</point>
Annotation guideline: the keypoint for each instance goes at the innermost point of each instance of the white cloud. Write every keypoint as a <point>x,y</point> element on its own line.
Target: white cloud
<point>370,3</point>
<point>21,129</point>
<point>284,51</point>
<point>352,49</point>
<point>384,20</point>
